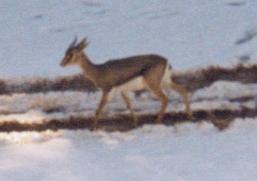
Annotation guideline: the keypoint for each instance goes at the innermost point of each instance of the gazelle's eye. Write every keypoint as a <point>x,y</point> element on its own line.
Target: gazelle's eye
<point>68,56</point>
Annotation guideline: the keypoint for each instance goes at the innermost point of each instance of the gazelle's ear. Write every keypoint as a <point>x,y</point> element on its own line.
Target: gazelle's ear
<point>83,44</point>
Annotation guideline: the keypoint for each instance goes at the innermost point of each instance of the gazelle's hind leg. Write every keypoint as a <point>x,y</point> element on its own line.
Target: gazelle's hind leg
<point>129,106</point>
<point>164,102</point>
<point>183,93</point>
<point>152,79</point>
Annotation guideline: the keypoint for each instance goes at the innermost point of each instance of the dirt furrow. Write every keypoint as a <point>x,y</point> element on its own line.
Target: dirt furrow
<point>123,122</point>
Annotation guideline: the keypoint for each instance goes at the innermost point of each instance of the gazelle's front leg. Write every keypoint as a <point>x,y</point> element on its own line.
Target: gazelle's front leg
<point>101,105</point>
<point>129,106</point>
<point>183,93</point>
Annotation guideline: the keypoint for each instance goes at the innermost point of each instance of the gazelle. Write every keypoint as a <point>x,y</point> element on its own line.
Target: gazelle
<point>126,74</point>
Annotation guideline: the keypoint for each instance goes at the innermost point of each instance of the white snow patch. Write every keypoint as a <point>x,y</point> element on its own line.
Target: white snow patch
<point>186,152</point>
<point>227,89</point>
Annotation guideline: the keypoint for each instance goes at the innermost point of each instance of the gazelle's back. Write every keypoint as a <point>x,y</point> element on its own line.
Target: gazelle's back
<point>139,61</point>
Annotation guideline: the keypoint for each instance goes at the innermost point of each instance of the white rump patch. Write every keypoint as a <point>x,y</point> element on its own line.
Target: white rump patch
<point>166,79</point>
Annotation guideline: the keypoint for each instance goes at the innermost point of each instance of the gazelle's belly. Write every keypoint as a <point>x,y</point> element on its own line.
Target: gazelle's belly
<point>135,84</point>
<point>132,85</point>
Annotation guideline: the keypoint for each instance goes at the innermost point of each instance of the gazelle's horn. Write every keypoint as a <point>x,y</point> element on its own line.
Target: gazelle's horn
<point>74,42</point>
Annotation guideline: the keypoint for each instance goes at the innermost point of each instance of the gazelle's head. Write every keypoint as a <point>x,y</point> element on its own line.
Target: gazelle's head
<point>74,52</point>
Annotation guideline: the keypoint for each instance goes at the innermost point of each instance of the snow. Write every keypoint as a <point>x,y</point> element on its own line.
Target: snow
<point>190,33</point>
<point>185,152</point>
<point>34,107</point>
<point>227,89</point>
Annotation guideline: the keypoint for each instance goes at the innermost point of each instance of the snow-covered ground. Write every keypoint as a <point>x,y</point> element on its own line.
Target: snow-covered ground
<point>183,153</point>
<point>187,151</point>
<point>190,33</point>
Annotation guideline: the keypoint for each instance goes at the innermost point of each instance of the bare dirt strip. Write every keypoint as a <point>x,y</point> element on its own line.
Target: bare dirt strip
<point>221,118</point>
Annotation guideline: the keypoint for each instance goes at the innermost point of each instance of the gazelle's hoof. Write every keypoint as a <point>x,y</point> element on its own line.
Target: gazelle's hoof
<point>159,121</point>
<point>135,122</point>
<point>190,114</point>
<point>93,126</point>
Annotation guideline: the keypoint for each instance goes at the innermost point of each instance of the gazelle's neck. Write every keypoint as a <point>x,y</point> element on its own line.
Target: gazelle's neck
<point>88,68</point>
